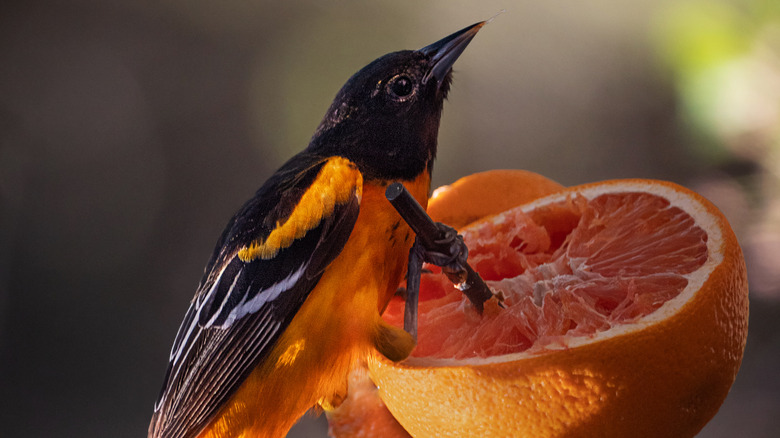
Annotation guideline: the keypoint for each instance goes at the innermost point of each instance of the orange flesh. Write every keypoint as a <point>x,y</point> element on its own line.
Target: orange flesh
<point>566,270</point>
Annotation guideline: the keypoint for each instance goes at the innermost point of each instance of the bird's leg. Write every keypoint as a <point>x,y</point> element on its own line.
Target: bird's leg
<point>448,252</point>
<point>412,292</point>
<point>437,244</point>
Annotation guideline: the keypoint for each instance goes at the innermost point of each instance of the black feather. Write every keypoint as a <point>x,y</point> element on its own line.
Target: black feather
<point>214,360</point>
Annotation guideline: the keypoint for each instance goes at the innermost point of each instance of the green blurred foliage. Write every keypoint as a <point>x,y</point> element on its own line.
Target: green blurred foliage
<point>717,51</point>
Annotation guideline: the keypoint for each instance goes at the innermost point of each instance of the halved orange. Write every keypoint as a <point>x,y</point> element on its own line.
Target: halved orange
<point>625,315</point>
<point>487,193</point>
<point>363,414</point>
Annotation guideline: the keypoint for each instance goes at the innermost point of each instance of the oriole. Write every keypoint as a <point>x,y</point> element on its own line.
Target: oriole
<point>291,297</point>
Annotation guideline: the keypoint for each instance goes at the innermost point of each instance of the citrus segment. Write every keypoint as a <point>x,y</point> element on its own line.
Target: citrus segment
<point>625,315</point>
<point>627,255</point>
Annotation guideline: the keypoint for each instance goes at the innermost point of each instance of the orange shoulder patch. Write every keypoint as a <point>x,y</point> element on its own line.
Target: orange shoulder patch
<point>338,180</point>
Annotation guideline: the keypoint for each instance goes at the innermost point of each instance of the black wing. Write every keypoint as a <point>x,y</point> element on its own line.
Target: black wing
<point>261,272</point>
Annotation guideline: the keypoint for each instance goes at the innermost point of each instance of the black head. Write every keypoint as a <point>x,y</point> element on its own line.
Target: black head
<point>386,117</point>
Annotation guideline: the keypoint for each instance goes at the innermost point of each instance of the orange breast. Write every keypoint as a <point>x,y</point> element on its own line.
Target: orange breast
<point>334,328</point>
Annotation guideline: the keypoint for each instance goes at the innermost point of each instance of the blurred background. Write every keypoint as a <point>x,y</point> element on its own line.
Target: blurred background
<point>130,131</point>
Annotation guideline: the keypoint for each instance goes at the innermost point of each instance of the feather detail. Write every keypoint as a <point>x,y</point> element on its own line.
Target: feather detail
<point>335,183</point>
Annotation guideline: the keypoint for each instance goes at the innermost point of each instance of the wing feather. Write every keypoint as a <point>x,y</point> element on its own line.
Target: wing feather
<point>266,263</point>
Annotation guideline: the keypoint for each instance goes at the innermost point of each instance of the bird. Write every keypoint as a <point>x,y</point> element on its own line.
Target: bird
<point>291,298</point>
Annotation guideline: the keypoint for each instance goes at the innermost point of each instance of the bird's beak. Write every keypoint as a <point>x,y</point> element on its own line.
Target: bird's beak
<point>446,51</point>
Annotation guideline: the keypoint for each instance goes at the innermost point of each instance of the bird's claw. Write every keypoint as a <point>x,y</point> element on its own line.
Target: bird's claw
<point>449,252</point>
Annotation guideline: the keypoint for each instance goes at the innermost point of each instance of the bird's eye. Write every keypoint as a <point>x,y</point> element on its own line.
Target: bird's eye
<point>400,87</point>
